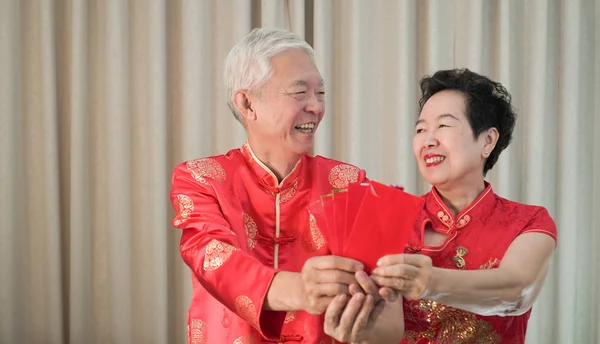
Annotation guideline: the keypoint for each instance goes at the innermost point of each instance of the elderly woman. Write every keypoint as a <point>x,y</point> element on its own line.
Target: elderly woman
<point>261,273</point>
<point>477,261</point>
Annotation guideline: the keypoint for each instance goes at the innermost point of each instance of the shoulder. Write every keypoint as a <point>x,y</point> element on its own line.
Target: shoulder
<point>522,209</point>
<point>338,173</point>
<point>532,218</point>
<point>209,169</point>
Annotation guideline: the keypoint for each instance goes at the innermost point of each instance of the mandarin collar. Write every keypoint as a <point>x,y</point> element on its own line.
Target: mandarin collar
<point>265,176</point>
<point>443,218</point>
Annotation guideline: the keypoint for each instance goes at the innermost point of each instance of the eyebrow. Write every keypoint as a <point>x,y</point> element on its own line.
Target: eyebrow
<point>444,115</point>
<point>304,83</point>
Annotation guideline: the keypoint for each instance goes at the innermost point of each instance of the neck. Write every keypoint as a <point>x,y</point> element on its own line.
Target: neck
<point>458,198</point>
<point>276,158</point>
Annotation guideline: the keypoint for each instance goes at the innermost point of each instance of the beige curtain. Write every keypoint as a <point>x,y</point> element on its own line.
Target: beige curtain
<point>100,99</point>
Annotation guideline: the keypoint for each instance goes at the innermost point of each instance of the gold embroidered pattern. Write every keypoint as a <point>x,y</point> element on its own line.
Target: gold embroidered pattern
<point>246,310</point>
<point>245,340</point>
<point>186,207</point>
<point>490,264</point>
<point>216,255</point>
<point>204,168</point>
<point>459,259</point>
<point>447,325</point>
<point>341,175</point>
<point>197,332</point>
<point>288,193</point>
<point>312,238</point>
<point>289,317</point>
<point>251,231</point>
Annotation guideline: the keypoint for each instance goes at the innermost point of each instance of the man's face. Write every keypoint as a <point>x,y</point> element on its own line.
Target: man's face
<point>291,104</point>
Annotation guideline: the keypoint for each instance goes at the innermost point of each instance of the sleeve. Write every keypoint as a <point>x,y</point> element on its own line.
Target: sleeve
<point>541,222</point>
<point>211,249</point>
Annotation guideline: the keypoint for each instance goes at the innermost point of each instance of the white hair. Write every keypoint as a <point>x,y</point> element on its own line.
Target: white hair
<point>248,65</point>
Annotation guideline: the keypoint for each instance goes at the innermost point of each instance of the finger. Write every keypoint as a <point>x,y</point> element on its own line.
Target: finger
<point>350,312</point>
<point>419,260</point>
<point>376,312</point>
<point>333,276</point>
<point>397,270</point>
<point>388,294</point>
<point>354,289</point>
<point>396,283</point>
<point>362,319</point>
<point>327,289</point>
<point>391,259</point>
<point>336,263</point>
<point>366,283</point>
<point>334,313</point>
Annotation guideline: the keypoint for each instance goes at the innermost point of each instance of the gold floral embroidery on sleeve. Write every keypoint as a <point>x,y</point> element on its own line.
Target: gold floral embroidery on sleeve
<point>312,238</point>
<point>204,168</point>
<point>245,340</point>
<point>246,310</point>
<point>251,231</point>
<point>185,207</point>
<point>216,255</point>
<point>341,175</point>
<point>197,332</point>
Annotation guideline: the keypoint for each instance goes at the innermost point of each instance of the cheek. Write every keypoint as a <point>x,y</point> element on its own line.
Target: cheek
<point>417,146</point>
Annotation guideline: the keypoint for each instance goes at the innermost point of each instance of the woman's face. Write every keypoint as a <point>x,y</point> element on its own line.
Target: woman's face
<point>447,153</point>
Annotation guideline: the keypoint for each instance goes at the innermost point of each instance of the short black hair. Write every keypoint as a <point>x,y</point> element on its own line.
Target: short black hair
<point>487,105</point>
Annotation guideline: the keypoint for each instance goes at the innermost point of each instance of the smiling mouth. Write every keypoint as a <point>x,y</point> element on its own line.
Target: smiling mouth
<point>434,160</point>
<point>307,128</point>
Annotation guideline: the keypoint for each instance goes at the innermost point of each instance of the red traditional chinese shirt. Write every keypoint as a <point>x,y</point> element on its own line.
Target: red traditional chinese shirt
<point>239,227</point>
<point>478,238</point>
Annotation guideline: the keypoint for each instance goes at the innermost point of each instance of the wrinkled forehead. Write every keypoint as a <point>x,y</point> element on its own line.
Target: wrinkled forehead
<point>294,67</point>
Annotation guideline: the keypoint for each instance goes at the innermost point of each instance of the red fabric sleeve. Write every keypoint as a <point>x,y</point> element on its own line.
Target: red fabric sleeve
<point>541,222</point>
<point>212,251</point>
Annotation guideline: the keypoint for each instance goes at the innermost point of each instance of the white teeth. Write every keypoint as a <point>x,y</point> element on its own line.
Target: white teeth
<point>306,127</point>
<point>435,159</point>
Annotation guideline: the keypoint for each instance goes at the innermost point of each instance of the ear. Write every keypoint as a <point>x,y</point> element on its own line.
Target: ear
<point>242,100</point>
<point>490,138</point>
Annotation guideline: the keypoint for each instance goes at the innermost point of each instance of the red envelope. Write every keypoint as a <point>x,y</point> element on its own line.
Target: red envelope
<point>356,192</point>
<point>384,223</point>
<point>339,201</point>
<point>333,244</point>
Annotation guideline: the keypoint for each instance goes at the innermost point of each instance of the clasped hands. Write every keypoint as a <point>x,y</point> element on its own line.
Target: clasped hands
<point>353,301</point>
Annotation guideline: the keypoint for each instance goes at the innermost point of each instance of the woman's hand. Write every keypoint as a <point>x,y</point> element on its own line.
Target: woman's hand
<point>408,274</point>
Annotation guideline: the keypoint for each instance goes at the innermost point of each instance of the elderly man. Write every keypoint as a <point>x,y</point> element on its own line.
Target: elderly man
<point>261,269</point>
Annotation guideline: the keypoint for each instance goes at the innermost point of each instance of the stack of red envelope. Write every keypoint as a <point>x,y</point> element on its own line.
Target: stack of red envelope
<point>366,221</point>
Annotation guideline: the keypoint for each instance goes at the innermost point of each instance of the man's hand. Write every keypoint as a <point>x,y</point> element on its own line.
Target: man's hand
<point>325,277</point>
<point>359,318</point>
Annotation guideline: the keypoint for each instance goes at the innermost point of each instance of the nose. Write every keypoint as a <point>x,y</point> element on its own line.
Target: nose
<point>315,104</point>
<point>430,140</point>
